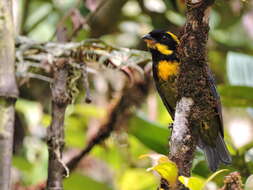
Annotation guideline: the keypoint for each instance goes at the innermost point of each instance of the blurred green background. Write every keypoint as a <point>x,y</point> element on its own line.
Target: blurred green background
<point>121,23</point>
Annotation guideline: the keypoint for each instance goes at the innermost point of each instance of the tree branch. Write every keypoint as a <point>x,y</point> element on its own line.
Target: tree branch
<point>8,92</point>
<point>44,55</point>
<point>182,142</point>
<point>55,133</point>
<point>50,56</point>
<point>195,100</point>
<point>55,138</point>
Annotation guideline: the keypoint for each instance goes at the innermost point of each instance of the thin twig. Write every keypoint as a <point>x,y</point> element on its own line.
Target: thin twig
<point>40,77</point>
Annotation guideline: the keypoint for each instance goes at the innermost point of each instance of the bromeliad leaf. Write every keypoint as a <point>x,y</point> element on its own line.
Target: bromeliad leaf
<point>164,167</point>
<point>193,183</point>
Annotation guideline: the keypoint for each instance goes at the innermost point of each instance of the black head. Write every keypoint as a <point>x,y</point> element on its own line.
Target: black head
<point>162,41</point>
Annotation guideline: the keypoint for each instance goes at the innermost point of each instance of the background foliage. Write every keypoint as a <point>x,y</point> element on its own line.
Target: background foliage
<point>115,164</point>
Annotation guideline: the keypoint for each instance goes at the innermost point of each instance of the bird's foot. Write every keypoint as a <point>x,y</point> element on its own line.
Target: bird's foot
<point>170,126</point>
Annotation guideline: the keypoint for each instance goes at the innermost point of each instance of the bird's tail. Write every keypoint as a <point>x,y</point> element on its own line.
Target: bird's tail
<point>217,154</point>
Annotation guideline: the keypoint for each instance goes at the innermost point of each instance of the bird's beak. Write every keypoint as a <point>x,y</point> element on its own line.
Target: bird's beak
<point>147,37</point>
<point>149,40</point>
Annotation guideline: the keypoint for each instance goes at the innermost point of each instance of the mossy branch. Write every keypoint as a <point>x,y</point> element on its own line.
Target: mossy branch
<point>194,99</point>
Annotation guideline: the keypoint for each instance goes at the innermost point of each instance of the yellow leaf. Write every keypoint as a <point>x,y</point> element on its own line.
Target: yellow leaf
<point>193,183</point>
<point>167,170</point>
<point>164,167</point>
<point>196,183</point>
<point>154,157</point>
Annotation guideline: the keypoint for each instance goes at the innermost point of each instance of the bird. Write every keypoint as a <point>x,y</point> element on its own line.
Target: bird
<point>162,45</point>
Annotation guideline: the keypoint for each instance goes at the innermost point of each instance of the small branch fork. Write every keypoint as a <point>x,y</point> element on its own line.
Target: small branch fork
<point>58,59</point>
<point>192,82</point>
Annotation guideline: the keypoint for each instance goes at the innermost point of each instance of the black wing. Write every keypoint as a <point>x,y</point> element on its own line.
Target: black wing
<point>211,83</point>
<point>211,139</point>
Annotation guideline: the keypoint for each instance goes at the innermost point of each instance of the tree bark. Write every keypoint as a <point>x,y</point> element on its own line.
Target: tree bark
<point>8,91</point>
<point>194,98</point>
<point>55,133</point>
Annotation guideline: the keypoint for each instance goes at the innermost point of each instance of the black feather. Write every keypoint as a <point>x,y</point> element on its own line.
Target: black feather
<point>217,154</point>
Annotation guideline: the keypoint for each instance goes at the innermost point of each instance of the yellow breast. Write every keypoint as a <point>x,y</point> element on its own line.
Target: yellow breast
<point>167,69</point>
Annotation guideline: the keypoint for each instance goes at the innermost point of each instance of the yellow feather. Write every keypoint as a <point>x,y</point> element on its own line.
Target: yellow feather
<point>174,37</point>
<point>163,49</point>
<point>167,69</point>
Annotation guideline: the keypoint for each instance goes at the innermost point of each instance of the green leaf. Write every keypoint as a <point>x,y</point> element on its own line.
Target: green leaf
<point>77,181</point>
<point>249,183</point>
<point>245,148</point>
<point>75,131</point>
<point>239,69</point>
<point>193,183</point>
<point>21,163</point>
<point>32,111</point>
<point>86,110</point>
<point>239,96</point>
<point>175,18</point>
<point>76,120</point>
<point>201,168</point>
<point>232,36</point>
<point>111,155</point>
<point>150,134</point>
<point>33,166</point>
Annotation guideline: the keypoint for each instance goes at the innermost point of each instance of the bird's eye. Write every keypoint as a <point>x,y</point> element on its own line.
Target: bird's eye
<point>164,37</point>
